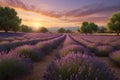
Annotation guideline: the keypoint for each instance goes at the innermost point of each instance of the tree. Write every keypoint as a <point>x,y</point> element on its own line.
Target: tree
<point>61,30</point>
<point>114,23</point>
<point>93,27</point>
<point>85,28</point>
<point>102,29</point>
<point>43,30</point>
<point>9,19</point>
<point>16,25</point>
<point>68,31</point>
<point>88,27</point>
<point>25,28</point>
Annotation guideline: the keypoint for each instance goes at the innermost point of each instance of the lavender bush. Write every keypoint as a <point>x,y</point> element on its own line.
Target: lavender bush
<point>92,47</point>
<point>12,66</point>
<point>28,51</point>
<point>28,39</point>
<point>47,46</point>
<point>103,50</point>
<point>116,44</point>
<point>78,67</point>
<point>69,41</point>
<point>115,57</point>
<point>44,46</point>
<point>74,49</point>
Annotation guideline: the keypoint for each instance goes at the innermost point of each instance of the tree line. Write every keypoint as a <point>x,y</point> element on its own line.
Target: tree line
<point>10,21</point>
<point>113,25</point>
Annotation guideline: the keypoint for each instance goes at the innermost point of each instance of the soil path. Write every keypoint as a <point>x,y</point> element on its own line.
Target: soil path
<point>112,66</point>
<point>40,67</point>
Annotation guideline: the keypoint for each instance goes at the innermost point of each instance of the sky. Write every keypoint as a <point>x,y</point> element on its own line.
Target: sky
<point>63,13</point>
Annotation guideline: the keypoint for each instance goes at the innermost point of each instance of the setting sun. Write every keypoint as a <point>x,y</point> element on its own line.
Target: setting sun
<point>37,26</point>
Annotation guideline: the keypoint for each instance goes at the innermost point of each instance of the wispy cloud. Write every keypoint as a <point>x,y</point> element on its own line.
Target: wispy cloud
<point>86,12</point>
<point>79,12</point>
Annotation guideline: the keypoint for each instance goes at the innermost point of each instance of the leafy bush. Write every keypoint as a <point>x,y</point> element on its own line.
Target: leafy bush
<point>61,30</point>
<point>78,67</point>
<point>103,50</point>
<point>28,51</point>
<point>43,30</point>
<point>115,57</point>
<point>25,28</point>
<point>13,66</point>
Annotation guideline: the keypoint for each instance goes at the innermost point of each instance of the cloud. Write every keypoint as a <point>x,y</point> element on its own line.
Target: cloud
<point>13,3</point>
<point>75,15</point>
<point>93,9</point>
<point>21,4</point>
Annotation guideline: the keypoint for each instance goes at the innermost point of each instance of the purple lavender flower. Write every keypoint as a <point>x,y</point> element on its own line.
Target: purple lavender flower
<point>74,49</point>
<point>28,51</point>
<point>47,46</point>
<point>115,57</point>
<point>78,67</point>
<point>12,66</point>
<point>103,50</point>
<point>69,41</point>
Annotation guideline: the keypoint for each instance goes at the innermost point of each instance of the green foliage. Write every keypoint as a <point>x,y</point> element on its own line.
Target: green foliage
<point>85,27</point>
<point>25,28</point>
<point>114,23</point>
<point>93,27</point>
<point>10,68</point>
<point>68,31</point>
<point>88,27</point>
<point>43,30</point>
<point>9,19</point>
<point>61,30</point>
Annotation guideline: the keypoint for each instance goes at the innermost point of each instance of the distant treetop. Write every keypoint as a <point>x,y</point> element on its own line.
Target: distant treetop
<point>88,27</point>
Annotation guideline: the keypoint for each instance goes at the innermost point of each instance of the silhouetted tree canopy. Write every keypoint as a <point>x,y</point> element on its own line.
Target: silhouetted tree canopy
<point>61,30</point>
<point>43,30</point>
<point>68,31</point>
<point>114,23</point>
<point>25,28</point>
<point>88,27</point>
<point>9,19</point>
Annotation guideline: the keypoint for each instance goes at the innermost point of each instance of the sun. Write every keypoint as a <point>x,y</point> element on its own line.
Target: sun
<point>37,26</point>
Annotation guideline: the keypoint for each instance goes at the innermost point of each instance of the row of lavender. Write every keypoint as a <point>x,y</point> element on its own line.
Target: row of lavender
<point>23,37</point>
<point>76,62</point>
<point>7,46</point>
<point>19,60</point>
<point>103,46</point>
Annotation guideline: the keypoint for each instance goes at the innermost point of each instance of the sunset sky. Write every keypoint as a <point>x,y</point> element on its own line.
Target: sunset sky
<point>63,13</point>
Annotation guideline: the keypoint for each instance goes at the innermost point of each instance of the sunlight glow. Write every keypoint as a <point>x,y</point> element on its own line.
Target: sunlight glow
<point>37,26</point>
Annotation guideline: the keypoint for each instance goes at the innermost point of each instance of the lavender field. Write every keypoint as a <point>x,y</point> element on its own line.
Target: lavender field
<point>59,39</point>
<point>45,56</point>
